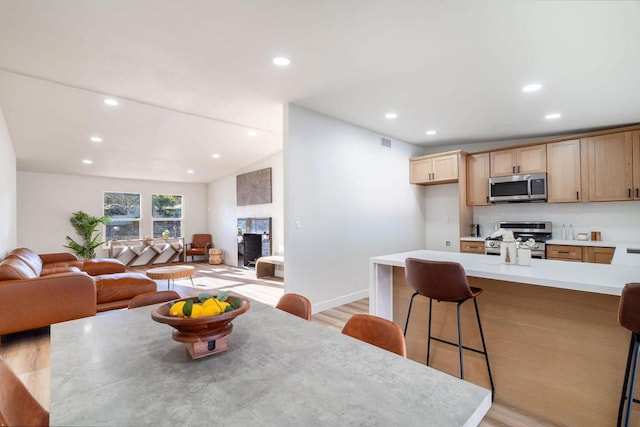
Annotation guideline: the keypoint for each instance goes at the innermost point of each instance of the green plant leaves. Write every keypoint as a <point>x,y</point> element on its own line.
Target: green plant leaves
<point>85,225</point>
<point>187,308</point>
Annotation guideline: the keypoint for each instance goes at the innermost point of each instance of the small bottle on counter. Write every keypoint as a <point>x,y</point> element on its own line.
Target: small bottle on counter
<point>571,236</point>
<point>563,233</point>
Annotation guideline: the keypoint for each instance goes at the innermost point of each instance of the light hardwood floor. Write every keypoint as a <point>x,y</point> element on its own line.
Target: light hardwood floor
<point>28,353</point>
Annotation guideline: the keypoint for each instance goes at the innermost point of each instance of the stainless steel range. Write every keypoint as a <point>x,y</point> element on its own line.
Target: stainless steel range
<point>540,231</point>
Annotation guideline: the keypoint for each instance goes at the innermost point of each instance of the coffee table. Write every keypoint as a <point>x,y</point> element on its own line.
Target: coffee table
<point>171,273</point>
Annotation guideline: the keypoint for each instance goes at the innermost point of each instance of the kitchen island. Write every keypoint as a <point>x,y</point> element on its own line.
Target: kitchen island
<point>555,346</point>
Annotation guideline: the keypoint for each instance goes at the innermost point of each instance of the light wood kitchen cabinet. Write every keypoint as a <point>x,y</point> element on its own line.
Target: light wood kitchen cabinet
<point>564,252</point>
<point>593,254</point>
<point>609,166</point>
<point>471,247</point>
<point>598,255</point>
<point>522,160</point>
<point>563,172</point>
<point>478,179</point>
<point>435,169</point>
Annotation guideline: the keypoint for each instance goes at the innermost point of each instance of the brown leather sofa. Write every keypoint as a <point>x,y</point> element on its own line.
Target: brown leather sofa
<point>38,290</point>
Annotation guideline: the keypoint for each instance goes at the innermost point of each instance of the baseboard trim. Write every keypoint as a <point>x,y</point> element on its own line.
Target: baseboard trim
<point>345,299</point>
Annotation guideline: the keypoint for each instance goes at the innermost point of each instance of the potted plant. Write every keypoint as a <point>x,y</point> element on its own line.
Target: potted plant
<point>86,226</point>
<point>165,234</point>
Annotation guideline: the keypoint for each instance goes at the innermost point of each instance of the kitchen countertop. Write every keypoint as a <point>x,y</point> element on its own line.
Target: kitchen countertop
<point>598,278</point>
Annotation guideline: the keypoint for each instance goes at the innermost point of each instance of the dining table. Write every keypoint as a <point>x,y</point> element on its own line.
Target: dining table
<point>122,368</point>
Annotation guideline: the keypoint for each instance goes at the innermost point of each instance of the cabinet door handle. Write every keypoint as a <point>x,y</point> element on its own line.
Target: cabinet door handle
<point>513,169</point>
<point>577,195</point>
<point>637,195</point>
<point>629,193</point>
<point>518,168</point>
<point>487,199</point>
<point>564,252</point>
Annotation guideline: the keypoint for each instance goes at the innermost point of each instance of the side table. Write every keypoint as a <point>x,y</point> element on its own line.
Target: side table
<point>215,256</point>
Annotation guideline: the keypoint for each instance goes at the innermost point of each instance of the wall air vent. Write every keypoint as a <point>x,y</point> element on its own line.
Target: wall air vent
<point>385,142</point>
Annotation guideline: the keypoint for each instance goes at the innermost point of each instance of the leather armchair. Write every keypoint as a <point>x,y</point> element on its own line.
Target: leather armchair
<point>200,245</point>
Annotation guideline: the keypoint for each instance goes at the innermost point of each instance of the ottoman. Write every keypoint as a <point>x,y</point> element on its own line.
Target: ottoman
<point>116,290</point>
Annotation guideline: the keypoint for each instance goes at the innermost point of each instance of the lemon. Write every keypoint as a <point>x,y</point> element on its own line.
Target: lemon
<point>223,305</point>
<point>176,309</point>
<point>196,311</point>
<point>210,310</point>
<point>209,302</point>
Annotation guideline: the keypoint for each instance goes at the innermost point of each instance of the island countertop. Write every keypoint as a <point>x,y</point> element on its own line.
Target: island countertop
<point>606,279</point>
<point>551,326</point>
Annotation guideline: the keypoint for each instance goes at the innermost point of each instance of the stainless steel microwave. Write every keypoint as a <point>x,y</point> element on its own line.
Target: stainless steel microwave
<point>518,188</point>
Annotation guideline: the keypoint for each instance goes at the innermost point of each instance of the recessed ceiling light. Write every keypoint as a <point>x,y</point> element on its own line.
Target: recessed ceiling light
<point>552,116</point>
<point>190,171</point>
<point>96,139</point>
<point>252,133</point>
<point>532,87</point>
<point>390,116</point>
<point>111,102</point>
<point>431,132</point>
<point>281,61</point>
<point>215,156</point>
<point>87,161</point>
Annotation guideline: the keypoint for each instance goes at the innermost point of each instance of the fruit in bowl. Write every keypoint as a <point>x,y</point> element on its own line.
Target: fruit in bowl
<point>209,305</point>
<point>203,333</point>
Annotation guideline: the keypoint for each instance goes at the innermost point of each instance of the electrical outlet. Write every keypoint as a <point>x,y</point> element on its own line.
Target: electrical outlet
<point>447,243</point>
<point>297,224</point>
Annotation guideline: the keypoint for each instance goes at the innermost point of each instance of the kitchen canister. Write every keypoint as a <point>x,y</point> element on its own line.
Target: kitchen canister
<point>524,256</point>
<point>508,253</point>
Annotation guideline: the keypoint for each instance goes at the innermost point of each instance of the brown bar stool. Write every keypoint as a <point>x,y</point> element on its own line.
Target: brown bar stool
<point>629,317</point>
<point>444,281</point>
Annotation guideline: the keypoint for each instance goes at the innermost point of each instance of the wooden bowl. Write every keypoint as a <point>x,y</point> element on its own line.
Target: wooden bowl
<point>200,329</point>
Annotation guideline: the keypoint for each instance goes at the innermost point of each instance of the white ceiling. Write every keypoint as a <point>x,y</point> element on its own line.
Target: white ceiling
<point>194,76</point>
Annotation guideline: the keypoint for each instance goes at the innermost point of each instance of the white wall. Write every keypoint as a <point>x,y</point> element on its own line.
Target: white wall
<point>8,228</point>
<point>223,212</point>
<point>46,202</point>
<point>352,200</point>
<point>442,217</point>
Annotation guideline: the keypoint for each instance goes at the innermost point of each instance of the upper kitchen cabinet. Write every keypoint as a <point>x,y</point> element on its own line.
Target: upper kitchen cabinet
<point>522,160</point>
<point>563,172</point>
<point>434,169</point>
<point>608,160</point>
<point>478,179</point>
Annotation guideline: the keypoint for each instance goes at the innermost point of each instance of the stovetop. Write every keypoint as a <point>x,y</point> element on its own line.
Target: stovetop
<point>540,231</point>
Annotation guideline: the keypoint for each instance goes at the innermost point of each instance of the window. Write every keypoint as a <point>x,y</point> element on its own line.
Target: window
<point>166,212</point>
<point>124,210</point>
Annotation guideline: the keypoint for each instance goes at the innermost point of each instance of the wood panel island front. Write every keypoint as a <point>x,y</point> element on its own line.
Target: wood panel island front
<point>555,346</point>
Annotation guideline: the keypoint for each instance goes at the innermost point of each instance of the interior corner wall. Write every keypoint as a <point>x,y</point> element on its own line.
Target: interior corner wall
<point>46,202</point>
<point>8,201</point>
<point>347,199</point>
<point>224,212</point>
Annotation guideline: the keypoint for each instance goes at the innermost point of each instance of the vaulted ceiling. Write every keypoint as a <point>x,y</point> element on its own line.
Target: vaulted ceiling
<point>193,78</point>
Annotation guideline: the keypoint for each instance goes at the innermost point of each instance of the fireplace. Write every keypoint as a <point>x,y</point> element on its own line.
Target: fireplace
<point>254,240</point>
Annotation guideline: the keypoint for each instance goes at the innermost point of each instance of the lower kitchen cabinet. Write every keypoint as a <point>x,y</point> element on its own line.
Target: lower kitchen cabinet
<point>472,247</point>
<point>594,254</point>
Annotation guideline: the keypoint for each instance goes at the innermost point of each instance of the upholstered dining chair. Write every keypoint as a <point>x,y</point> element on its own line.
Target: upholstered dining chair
<point>17,406</point>
<point>377,331</point>
<point>295,304</point>
<point>150,298</point>
<point>199,246</point>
